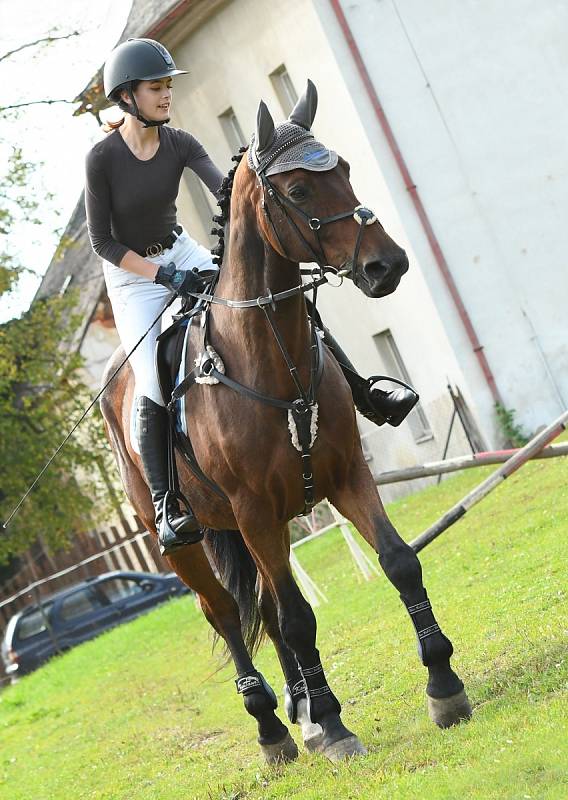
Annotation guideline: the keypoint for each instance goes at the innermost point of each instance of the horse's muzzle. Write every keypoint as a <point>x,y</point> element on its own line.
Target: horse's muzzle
<point>380,277</point>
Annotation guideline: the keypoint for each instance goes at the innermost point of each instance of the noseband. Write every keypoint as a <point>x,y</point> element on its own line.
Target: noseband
<point>361,214</point>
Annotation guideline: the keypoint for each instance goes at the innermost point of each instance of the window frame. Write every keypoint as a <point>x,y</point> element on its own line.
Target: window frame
<point>393,362</point>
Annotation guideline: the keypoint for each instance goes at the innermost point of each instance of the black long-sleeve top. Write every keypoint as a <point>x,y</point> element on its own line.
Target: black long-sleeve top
<point>131,203</point>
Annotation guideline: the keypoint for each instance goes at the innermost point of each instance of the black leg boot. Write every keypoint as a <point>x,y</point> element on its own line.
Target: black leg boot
<point>375,404</point>
<point>175,528</point>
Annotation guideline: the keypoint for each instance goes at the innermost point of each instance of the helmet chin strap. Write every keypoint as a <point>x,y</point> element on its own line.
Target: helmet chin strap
<point>133,109</point>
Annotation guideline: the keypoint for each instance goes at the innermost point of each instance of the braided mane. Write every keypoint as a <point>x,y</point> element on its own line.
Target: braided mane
<point>224,204</point>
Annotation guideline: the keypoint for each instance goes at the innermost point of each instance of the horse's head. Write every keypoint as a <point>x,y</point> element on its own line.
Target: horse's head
<point>306,207</point>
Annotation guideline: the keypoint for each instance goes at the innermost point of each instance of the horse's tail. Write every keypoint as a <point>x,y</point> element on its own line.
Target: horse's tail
<point>238,574</point>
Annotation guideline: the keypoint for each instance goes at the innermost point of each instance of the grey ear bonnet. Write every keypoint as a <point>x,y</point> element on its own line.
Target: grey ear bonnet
<point>290,145</point>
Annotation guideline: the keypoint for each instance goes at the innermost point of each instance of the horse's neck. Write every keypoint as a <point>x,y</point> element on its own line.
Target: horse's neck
<point>251,269</point>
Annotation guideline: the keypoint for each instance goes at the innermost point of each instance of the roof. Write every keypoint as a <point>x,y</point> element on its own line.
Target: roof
<point>75,266</point>
<point>152,19</point>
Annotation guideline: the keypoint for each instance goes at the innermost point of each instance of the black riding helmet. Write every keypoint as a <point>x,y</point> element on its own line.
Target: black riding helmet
<point>132,61</point>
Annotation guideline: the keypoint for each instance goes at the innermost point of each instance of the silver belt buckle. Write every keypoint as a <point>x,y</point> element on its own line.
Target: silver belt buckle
<point>154,250</point>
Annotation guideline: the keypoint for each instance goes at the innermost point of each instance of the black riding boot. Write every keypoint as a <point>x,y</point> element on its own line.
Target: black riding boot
<point>175,528</point>
<point>375,404</point>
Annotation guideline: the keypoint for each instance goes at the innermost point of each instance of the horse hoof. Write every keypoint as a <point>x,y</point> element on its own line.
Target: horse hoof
<point>344,748</point>
<point>313,743</point>
<point>448,711</point>
<point>280,752</point>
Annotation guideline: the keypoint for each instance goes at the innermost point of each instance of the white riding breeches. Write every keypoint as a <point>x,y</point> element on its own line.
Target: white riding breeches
<point>137,301</point>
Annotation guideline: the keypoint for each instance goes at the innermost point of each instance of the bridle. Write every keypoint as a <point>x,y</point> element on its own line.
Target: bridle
<point>361,214</point>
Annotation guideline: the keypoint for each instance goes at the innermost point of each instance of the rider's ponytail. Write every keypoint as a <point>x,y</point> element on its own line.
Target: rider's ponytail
<point>109,126</point>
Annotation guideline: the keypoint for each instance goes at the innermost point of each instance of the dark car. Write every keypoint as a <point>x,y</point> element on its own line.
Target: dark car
<point>81,612</point>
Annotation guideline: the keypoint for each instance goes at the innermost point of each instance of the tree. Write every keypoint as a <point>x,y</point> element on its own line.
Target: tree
<point>42,392</point>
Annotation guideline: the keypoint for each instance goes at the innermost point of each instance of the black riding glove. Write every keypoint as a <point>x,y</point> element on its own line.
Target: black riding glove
<point>183,282</point>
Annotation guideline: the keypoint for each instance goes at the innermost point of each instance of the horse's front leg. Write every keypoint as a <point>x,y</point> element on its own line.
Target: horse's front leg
<point>298,628</point>
<point>358,500</point>
<point>222,612</point>
<point>295,694</point>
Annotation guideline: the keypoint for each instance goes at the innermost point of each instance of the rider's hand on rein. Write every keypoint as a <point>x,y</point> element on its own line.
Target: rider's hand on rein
<point>182,282</point>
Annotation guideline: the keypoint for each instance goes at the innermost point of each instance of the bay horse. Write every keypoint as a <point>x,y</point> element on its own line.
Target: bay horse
<point>271,225</point>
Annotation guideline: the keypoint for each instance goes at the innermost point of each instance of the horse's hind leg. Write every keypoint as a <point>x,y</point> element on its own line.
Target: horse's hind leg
<point>298,628</point>
<point>295,697</point>
<point>360,503</point>
<point>221,611</point>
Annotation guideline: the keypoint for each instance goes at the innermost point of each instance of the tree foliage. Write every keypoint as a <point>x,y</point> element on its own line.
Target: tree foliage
<point>42,392</point>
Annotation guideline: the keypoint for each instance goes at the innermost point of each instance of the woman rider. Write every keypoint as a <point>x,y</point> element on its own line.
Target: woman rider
<point>132,181</point>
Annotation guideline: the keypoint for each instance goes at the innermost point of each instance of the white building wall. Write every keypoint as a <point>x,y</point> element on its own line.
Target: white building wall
<point>230,59</point>
<point>476,94</point>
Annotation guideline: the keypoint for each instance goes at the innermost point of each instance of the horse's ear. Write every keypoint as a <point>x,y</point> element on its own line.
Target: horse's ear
<point>265,133</point>
<point>304,111</point>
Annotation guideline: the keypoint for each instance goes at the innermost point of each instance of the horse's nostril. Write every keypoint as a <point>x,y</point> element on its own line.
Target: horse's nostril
<point>395,264</point>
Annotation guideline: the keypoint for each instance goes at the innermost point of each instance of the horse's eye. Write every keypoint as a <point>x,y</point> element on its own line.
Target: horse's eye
<point>297,193</point>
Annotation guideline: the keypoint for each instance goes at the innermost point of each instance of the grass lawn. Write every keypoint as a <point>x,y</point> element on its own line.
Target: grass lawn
<point>144,712</point>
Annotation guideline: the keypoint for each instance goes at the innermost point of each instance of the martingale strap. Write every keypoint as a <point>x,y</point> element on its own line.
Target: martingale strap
<point>302,416</point>
<point>317,362</point>
<point>301,409</point>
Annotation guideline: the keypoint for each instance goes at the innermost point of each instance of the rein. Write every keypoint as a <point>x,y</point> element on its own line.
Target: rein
<point>270,299</point>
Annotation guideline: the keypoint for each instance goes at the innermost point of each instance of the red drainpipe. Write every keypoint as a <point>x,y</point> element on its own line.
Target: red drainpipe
<point>420,210</point>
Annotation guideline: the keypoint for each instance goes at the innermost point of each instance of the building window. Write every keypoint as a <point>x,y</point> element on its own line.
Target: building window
<point>284,88</point>
<point>232,130</point>
<point>395,366</point>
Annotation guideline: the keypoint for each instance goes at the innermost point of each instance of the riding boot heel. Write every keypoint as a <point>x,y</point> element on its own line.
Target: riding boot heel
<point>176,529</point>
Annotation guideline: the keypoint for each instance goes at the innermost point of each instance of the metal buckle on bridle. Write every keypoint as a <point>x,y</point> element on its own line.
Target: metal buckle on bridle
<point>154,250</point>
<point>315,224</point>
